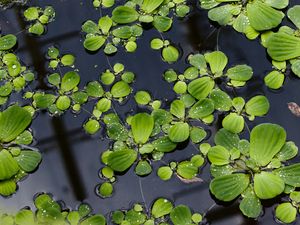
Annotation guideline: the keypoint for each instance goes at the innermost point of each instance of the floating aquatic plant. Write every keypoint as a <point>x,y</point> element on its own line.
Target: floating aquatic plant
<point>49,211</point>
<point>13,75</point>
<point>253,170</point>
<point>286,212</point>
<point>39,18</point>
<point>248,17</point>
<point>55,59</point>
<point>169,52</point>
<point>125,24</point>
<point>16,159</point>
<point>283,46</point>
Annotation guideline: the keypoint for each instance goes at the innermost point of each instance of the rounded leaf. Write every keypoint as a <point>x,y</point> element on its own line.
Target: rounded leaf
<point>268,185</point>
<point>121,160</point>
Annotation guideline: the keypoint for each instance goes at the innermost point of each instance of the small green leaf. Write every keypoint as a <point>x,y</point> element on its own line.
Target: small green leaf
<point>143,168</point>
<point>290,174</point>
<point>105,189</point>
<point>29,160</point>
<point>181,215</point>
<point>7,187</point>
<point>274,79</point>
<point>124,14</point>
<point>250,204</point>
<point>219,155</point>
<point>8,165</point>
<point>286,212</point>
<point>165,173</point>
<point>178,109</point>
<point>121,160</point>
<point>293,14</point>
<point>162,23</point>
<point>266,140</point>
<point>221,99</point>
<point>226,139</point>
<point>161,207</point>
<point>268,185</point>
<point>7,42</point>
<point>217,61</point>
<point>257,106</point>
<point>187,170</point>
<point>94,220</point>
<point>170,54</point>
<point>179,132</point>
<point>201,87</point>
<point>93,43</point>
<point>13,121</point>
<point>25,217</point>
<point>150,5</point>
<point>228,187</point>
<point>287,152</point>
<point>233,123</point>
<point>142,125</point>
<point>120,89</point>
<point>262,16</point>
<point>69,81</point>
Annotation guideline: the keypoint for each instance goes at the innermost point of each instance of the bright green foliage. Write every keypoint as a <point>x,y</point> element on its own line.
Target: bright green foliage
<point>48,211</point>
<point>253,170</point>
<point>15,160</point>
<point>39,18</point>
<point>55,59</point>
<point>124,26</point>
<point>249,18</point>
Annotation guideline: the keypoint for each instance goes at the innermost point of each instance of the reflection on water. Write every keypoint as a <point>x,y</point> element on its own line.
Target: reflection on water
<point>71,158</point>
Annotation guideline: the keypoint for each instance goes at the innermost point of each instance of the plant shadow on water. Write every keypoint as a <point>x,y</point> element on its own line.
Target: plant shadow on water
<point>71,158</point>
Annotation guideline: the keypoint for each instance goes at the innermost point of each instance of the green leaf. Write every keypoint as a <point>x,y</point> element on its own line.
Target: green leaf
<point>90,27</point>
<point>277,4</point>
<point>93,43</point>
<point>250,204</point>
<point>178,109</point>
<point>8,165</point>
<point>240,73</point>
<point>94,220</point>
<point>187,170</point>
<point>43,101</point>
<point>222,14</point>
<point>25,217</point>
<point>69,81</point>
<point>161,207</point>
<point>274,79</point>
<point>217,61</point>
<point>219,171</point>
<point>68,60</point>
<point>32,13</point>
<point>181,215</point>
<point>7,42</point>
<point>179,132</point>
<point>170,54</point>
<point>257,106</point>
<point>262,16</point>
<point>105,23</point>
<point>150,5</point>
<point>290,174</point>
<point>226,139</point>
<point>123,32</point>
<point>164,144</point>
<point>228,187</point>
<point>201,87</point>
<point>266,140</point>
<point>63,102</point>
<point>293,14</point>
<point>221,99</point>
<point>233,123</point>
<point>282,46</point>
<point>143,168</point>
<point>162,23</point>
<point>296,67</point>
<point>286,212</point>
<point>37,29</point>
<point>105,190</point>
<point>197,134</point>
<point>94,89</point>
<point>120,89</point>
<point>218,155</point>
<point>13,121</point>
<point>142,97</point>
<point>8,187</point>
<point>121,160</point>
<point>92,126</point>
<point>29,160</point>
<point>124,14</point>
<point>287,152</point>
<point>165,173</point>
<point>142,125</point>
<point>268,185</point>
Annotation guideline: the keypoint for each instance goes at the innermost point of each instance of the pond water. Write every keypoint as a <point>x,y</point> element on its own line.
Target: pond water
<point>71,158</point>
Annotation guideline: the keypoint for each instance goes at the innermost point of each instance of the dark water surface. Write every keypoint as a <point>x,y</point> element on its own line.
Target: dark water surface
<point>71,158</point>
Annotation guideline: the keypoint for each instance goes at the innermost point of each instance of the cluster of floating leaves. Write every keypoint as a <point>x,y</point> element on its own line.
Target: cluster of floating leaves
<point>13,75</point>
<point>126,24</point>
<point>49,211</point>
<point>252,170</point>
<point>38,19</point>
